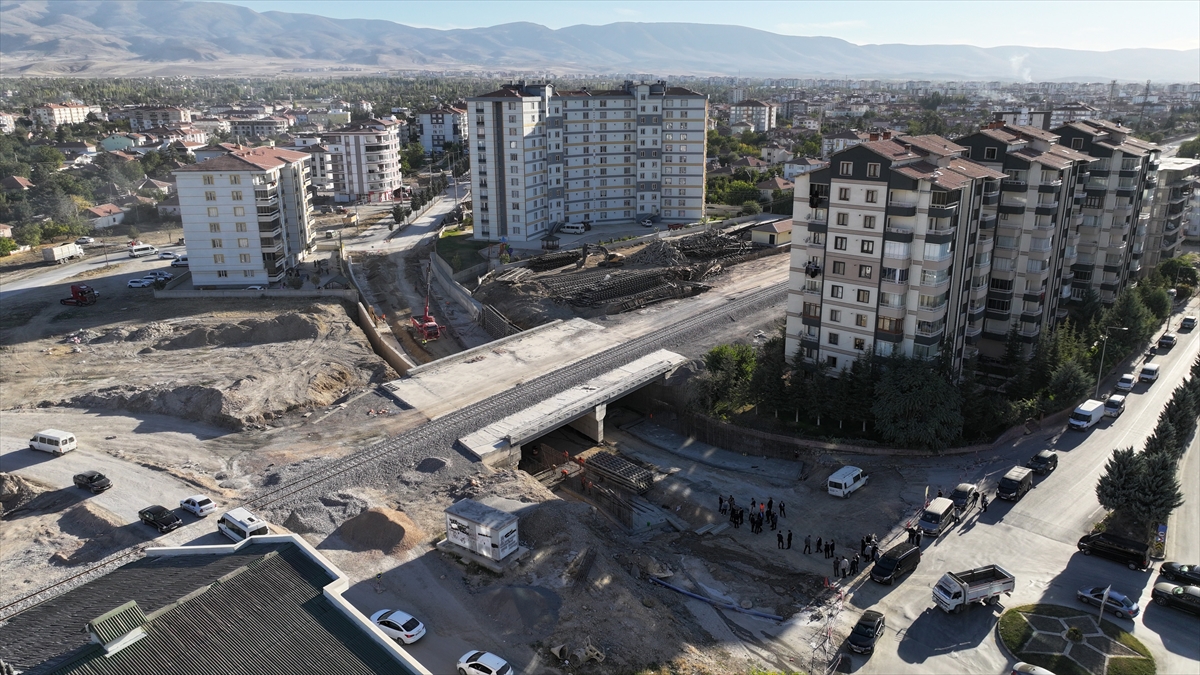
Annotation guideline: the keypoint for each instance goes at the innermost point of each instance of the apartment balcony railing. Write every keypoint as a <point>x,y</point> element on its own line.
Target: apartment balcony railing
<point>902,209</point>
<point>1013,185</point>
<point>930,332</point>
<point>1030,332</point>
<point>942,210</point>
<point>268,213</point>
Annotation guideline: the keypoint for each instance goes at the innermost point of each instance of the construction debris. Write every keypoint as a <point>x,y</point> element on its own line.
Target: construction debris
<point>658,252</point>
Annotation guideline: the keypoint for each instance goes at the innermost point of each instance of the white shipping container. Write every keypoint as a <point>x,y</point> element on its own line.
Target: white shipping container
<point>481,529</point>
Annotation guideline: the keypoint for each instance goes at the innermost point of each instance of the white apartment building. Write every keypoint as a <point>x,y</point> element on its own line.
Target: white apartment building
<point>8,123</point>
<point>321,165</point>
<point>141,119</point>
<point>756,113</point>
<point>1171,211</point>
<point>365,160</point>
<point>737,95</point>
<point>54,114</point>
<point>262,128</point>
<point>246,216</point>
<point>441,125</point>
<point>541,157</point>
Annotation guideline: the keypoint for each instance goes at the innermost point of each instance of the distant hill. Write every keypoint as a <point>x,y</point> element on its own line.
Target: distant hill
<point>170,37</point>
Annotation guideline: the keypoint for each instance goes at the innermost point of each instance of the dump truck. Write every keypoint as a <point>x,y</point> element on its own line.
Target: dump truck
<point>62,253</point>
<point>955,590</point>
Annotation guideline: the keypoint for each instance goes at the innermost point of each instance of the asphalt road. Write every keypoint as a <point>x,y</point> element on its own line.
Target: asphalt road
<point>1035,539</point>
<point>109,283</point>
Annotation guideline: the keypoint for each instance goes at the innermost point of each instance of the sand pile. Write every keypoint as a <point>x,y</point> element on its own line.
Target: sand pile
<point>381,529</point>
<point>16,492</point>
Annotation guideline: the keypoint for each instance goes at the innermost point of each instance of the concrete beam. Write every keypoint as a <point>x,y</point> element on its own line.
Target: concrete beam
<point>591,424</point>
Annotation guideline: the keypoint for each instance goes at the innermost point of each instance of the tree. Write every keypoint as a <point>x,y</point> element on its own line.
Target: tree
<point>1127,312</point>
<point>1189,149</point>
<point>1156,300</point>
<point>133,232</point>
<point>7,246</point>
<point>739,192</point>
<point>916,406</point>
<point>751,208</point>
<point>1068,383</point>
<point>1117,488</point>
<point>768,384</point>
<point>1157,493</point>
<point>1181,269</point>
<point>29,234</point>
<point>929,122</point>
<point>729,369</point>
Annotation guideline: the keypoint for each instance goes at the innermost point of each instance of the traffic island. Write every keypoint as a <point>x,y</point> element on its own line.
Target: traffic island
<point>1071,641</point>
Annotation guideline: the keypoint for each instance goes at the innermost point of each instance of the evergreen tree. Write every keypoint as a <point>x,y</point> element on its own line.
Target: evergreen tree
<point>1163,440</point>
<point>1118,486</point>
<point>1181,412</point>
<point>1127,312</point>
<point>916,406</point>
<point>1018,368</point>
<point>1068,383</point>
<point>1157,493</point>
<point>769,382</point>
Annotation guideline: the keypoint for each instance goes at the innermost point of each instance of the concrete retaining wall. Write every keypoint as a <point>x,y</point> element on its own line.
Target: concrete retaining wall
<point>443,274</point>
<point>399,362</point>
<point>330,293</point>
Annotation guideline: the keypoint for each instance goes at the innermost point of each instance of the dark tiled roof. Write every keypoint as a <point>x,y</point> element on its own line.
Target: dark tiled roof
<point>1035,132</point>
<point>933,144</point>
<point>889,149</point>
<point>682,91</point>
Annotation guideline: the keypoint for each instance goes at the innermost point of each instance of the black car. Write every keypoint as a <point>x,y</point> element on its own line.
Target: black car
<point>965,497</point>
<point>866,632</point>
<point>1186,598</point>
<point>92,480</point>
<point>1173,571</point>
<point>1044,462</point>
<point>160,517</point>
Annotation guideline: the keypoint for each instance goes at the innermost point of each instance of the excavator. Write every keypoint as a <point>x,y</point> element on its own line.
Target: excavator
<point>611,259</point>
<point>82,295</point>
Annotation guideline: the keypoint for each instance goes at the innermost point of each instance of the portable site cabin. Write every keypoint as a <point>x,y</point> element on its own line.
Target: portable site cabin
<point>481,529</point>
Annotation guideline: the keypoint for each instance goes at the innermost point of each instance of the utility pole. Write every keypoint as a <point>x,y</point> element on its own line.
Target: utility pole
<point>1145,101</point>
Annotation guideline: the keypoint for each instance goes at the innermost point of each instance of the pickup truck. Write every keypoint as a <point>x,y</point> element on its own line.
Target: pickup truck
<point>955,590</point>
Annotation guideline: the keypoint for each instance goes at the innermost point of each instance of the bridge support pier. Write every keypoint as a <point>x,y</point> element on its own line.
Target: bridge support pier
<point>592,423</point>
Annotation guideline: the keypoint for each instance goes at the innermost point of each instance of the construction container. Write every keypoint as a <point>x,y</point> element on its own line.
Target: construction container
<point>481,529</point>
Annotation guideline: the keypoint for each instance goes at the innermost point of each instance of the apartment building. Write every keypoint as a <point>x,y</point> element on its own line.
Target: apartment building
<point>1171,209</point>
<point>837,142</point>
<point>259,128</point>
<point>1035,227</point>
<point>54,114</point>
<point>365,160</point>
<point>1114,224</point>
<point>886,241</point>
<point>321,164</point>
<point>761,116</point>
<point>441,125</point>
<point>143,119</point>
<point>8,123</point>
<point>541,157</point>
<point>246,216</point>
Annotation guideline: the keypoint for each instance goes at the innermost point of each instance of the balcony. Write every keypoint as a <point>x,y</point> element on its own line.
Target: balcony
<point>1013,185</point>
<point>901,209</point>
<point>935,283</point>
<point>1012,209</point>
<point>897,255</point>
<point>987,220</point>
<point>1046,208</point>
<point>942,210</point>
<point>930,331</point>
<point>991,198</point>
<point>1030,332</point>
<point>1050,185</point>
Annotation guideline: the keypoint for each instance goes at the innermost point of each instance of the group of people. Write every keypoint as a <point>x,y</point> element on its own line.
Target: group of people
<point>761,513</point>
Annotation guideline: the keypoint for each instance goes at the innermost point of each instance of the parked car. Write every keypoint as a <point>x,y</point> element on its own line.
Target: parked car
<point>1134,554</point>
<point>965,497</point>
<point>256,288</point>
<point>1114,406</point>
<point>199,505</point>
<point>1167,341</point>
<point>1126,382</point>
<point>1149,373</point>
<point>140,283</point>
<point>1186,598</point>
<point>83,241</point>
<point>160,274</point>
<point>1188,323</point>
<point>167,255</point>
<point>646,222</point>
<point>483,663</point>
<point>1173,571</point>
<point>399,625</point>
<point>1044,462</point>
<point>92,480</point>
<point>160,518</point>
<point>181,261</point>
<point>1120,606</point>
<point>1022,668</point>
<point>868,629</point>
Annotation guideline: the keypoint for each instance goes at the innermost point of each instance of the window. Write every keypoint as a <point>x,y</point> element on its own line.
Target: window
<point>207,179</point>
<point>244,257</point>
<point>839,243</point>
<point>210,196</point>
<point>844,194</point>
<point>846,168</point>
<point>835,315</point>
<point>989,153</point>
<point>887,325</point>
<point>217,243</point>
<point>872,196</point>
<point>214,227</point>
<point>864,296</point>
<point>1077,143</point>
<point>240,227</point>
<point>236,195</point>
<point>835,291</point>
<point>839,267</point>
<point>860,320</point>
<point>843,219</point>
<point>219,259</point>
<point>833,338</point>
<point>243,243</point>
<point>860,344</point>
<point>867,246</point>
<point>239,210</point>
<point>235,180</point>
<point>818,238</point>
<point>895,275</point>
<point>222,274</point>
<point>872,171</point>
<point>212,212</point>
<point>812,310</point>
<point>831,361</point>
<point>864,271</point>
<point>247,273</point>
<point>869,222</point>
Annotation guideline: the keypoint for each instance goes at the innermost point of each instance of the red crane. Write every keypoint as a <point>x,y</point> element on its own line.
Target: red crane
<point>425,326</point>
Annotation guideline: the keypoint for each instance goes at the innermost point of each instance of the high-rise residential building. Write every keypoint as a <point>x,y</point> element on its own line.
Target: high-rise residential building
<point>541,157</point>
<point>1035,226</point>
<point>888,265</point>
<point>737,95</point>
<point>441,125</point>
<point>54,114</point>
<point>145,118</point>
<point>365,160</point>
<point>1114,224</point>
<point>1171,209</point>
<point>754,112</point>
<point>246,216</point>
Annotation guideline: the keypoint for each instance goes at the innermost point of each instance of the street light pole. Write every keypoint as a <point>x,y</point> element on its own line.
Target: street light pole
<point>1103,350</point>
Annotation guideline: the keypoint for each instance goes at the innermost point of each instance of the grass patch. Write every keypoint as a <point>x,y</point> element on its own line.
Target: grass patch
<point>1055,663</point>
<point>1131,666</point>
<point>1052,610</point>
<point>16,317</point>
<point>1015,632</point>
<point>460,250</point>
<point>1114,631</point>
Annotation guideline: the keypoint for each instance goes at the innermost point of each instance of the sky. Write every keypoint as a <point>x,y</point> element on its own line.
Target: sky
<point>1091,25</point>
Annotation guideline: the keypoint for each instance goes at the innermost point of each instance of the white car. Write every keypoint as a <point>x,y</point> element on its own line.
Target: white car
<point>159,274</point>
<point>199,505</point>
<point>1023,668</point>
<point>167,255</point>
<point>483,663</point>
<point>399,625</point>
<point>256,288</point>
<point>1126,382</point>
<point>140,283</point>
<point>646,222</point>
<point>82,241</point>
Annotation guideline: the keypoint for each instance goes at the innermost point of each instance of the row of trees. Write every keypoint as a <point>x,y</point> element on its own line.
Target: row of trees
<point>1141,489</point>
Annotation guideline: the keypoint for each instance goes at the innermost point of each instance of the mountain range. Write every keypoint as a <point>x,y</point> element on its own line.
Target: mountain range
<point>172,37</point>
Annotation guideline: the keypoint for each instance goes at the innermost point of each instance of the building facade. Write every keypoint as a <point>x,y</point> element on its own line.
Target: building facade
<point>246,216</point>
<point>438,126</point>
<point>54,114</point>
<point>260,128</point>
<point>760,115</point>
<point>541,157</point>
<point>142,119</point>
<point>884,253</point>
<point>365,161</point>
<point>1171,209</point>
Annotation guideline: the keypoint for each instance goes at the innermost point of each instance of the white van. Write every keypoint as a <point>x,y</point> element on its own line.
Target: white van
<point>846,480</point>
<point>937,516</point>
<point>239,524</point>
<point>142,250</point>
<point>1149,373</point>
<point>53,440</point>
<point>573,228</point>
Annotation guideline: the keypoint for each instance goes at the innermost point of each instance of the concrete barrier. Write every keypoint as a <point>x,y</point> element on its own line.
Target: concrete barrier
<point>444,276</point>
<point>327,293</point>
<point>398,361</point>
